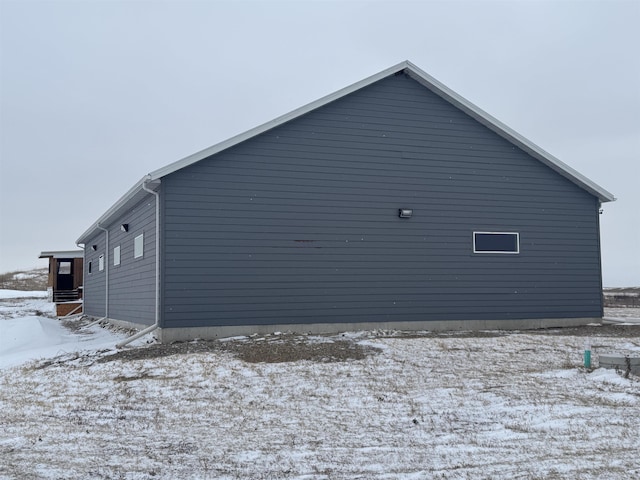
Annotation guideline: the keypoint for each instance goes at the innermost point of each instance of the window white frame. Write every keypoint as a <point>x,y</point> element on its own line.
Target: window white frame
<point>505,252</point>
<point>116,256</point>
<point>101,262</point>
<point>138,246</point>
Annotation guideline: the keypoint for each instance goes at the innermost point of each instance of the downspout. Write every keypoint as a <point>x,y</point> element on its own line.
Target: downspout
<point>84,277</point>
<point>599,212</point>
<point>157,309</point>
<point>106,278</point>
<point>84,254</point>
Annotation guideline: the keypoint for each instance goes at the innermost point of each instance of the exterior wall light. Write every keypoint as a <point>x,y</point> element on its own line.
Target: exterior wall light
<point>94,247</point>
<point>405,213</point>
<point>124,227</point>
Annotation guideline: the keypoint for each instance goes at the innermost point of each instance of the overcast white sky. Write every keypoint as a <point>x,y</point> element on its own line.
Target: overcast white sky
<point>94,95</point>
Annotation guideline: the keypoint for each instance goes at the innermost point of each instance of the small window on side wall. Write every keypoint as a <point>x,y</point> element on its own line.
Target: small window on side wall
<point>116,256</point>
<point>138,246</point>
<point>496,242</point>
<point>101,263</point>
<point>90,265</point>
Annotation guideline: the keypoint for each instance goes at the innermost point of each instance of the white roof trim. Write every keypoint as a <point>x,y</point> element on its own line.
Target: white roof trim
<point>436,87</point>
<point>414,72</point>
<point>121,202</point>
<point>507,133</point>
<point>63,254</point>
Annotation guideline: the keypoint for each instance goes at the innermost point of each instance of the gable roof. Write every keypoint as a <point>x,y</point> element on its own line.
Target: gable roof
<point>137,193</point>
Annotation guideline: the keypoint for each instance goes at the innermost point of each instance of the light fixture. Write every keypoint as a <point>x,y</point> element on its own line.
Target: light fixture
<point>405,213</point>
<point>94,247</point>
<point>124,227</point>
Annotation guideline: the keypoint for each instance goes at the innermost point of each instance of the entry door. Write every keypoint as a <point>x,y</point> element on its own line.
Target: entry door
<point>65,275</point>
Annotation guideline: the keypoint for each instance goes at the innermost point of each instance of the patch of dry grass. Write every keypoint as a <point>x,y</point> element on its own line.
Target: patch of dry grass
<point>25,280</point>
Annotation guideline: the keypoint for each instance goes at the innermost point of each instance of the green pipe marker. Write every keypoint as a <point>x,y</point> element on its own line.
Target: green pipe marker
<point>587,354</point>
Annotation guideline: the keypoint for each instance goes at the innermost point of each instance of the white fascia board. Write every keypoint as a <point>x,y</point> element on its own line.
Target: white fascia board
<point>432,84</point>
<point>107,217</point>
<point>507,133</point>
<point>62,254</point>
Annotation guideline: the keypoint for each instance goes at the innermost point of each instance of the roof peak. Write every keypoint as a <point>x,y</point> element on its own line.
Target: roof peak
<point>432,84</point>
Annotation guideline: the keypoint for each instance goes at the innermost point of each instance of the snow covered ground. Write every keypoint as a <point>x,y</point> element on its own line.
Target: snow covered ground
<point>4,294</point>
<point>617,315</point>
<point>513,405</point>
<point>29,330</point>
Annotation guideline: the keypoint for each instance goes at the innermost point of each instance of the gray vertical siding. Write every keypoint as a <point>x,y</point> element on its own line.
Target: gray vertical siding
<point>132,283</point>
<point>300,224</point>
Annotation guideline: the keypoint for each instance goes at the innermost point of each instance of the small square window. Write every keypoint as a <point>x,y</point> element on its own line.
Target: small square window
<point>138,246</point>
<point>496,242</point>
<point>64,268</point>
<point>101,262</point>
<point>116,255</point>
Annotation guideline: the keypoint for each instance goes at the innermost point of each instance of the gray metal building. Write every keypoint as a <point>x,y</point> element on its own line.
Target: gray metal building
<point>393,203</point>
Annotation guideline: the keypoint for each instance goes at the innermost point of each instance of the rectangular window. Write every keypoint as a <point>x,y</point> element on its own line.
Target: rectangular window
<point>138,246</point>
<point>101,262</point>
<point>496,242</point>
<point>64,268</point>
<point>89,267</point>
<point>116,255</point>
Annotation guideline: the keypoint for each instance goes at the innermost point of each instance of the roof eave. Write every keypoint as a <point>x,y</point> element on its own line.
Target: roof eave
<point>122,202</point>
<point>62,254</point>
